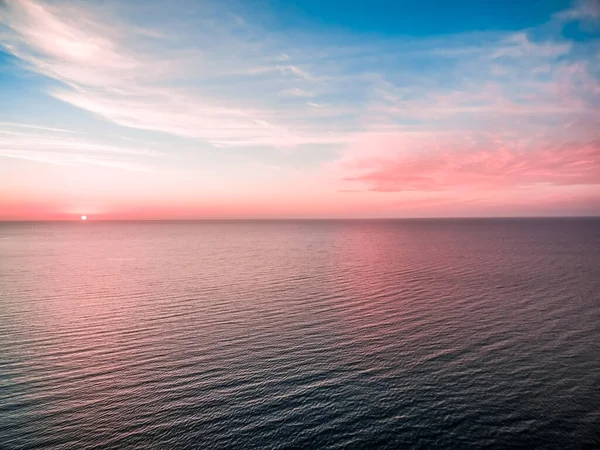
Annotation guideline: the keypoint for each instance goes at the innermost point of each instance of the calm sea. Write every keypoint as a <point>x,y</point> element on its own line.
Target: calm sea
<point>300,334</point>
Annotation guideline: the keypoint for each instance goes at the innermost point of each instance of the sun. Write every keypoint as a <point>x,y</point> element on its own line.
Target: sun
<point>84,218</point>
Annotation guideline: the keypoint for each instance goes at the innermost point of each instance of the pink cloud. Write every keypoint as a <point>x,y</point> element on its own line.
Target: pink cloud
<point>478,166</point>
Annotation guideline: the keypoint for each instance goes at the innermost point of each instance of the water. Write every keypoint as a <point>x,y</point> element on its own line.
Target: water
<point>301,334</point>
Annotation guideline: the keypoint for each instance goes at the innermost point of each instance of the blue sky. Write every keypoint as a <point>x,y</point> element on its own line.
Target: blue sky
<point>299,109</point>
<point>412,18</point>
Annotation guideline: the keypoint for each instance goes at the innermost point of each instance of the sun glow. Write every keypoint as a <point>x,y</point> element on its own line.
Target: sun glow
<point>84,218</point>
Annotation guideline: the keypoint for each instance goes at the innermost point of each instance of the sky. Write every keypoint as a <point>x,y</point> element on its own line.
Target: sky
<point>200,109</point>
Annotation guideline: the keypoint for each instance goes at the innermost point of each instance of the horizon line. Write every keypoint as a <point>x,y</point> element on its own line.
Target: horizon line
<point>288,219</point>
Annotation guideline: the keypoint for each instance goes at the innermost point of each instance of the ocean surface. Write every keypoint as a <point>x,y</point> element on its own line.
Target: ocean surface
<point>451,334</point>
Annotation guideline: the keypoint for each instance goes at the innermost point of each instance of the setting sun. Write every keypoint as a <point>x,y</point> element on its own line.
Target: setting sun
<point>83,217</point>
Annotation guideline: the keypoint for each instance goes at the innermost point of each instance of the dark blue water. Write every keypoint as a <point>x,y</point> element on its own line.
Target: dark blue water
<point>309,334</point>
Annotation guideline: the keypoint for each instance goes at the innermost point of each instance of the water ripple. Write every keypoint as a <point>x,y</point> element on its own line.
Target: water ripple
<point>339,334</point>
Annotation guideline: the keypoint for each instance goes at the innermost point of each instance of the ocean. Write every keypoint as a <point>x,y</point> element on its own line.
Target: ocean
<point>450,334</point>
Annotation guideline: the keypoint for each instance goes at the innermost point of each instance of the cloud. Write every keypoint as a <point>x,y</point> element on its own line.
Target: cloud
<point>477,165</point>
<point>519,45</point>
<point>105,70</point>
<point>35,127</point>
<point>53,147</point>
<point>297,92</point>
<point>67,44</point>
<point>302,73</point>
<point>582,10</point>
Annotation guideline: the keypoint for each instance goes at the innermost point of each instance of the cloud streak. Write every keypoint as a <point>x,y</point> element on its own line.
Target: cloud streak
<point>57,148</point>
<point>493,167</point>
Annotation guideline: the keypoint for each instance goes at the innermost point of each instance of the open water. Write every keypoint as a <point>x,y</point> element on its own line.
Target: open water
<point>300,334</point>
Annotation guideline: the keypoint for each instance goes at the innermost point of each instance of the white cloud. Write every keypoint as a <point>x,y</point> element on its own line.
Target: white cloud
<point>54,147</point>
<point>297,92</point>
<point>34,127</point>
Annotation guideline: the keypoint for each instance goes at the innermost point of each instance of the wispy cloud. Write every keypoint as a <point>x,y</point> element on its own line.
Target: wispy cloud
<point>477,164</point>
<point>586,11</point>
<point>302,73</point>
<point>34,127</point>
<point>297,92</point>
<point>105,72</point>
<point>53,147</point>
